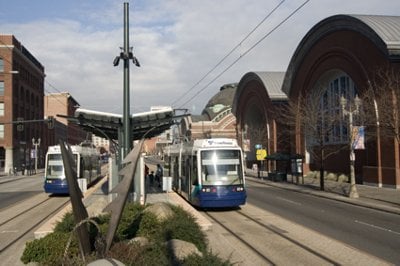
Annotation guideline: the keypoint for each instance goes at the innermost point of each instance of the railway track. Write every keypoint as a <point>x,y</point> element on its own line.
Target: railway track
<point>20,219</point>
<point>261,243</point>
<point>252,236</point>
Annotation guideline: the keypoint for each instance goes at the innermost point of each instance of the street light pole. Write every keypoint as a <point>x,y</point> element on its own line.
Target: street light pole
<point>36,144</point>
<point>357,103</point>
<point>126,116</point>
<point>125,55</point>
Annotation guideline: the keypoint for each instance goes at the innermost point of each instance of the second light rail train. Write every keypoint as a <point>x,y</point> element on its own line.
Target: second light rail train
<point>208,172</point>
<point>87,161</point>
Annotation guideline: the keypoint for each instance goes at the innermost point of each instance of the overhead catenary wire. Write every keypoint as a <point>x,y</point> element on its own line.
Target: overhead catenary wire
<point>245,53</point>
<point>230,52</point>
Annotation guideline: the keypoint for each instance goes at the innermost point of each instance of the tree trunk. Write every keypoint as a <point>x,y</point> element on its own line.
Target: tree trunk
<point>321,171</point>
<point>321,178</point>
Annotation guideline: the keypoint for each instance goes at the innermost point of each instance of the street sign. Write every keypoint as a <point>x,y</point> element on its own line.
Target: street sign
<point>261,154</point>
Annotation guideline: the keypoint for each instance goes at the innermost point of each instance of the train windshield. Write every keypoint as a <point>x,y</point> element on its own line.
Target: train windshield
<point>221,167</point>
<point>55,166</point>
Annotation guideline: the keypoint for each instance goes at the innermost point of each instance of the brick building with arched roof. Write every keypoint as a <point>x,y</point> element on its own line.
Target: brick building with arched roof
<point>256,100</point>
<point>344,52</point>
<point>339,56</point>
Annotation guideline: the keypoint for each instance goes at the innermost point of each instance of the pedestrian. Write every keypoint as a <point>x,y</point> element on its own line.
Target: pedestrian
<point>146,170</point>
<point>159,174</point>
<point>151,178</point>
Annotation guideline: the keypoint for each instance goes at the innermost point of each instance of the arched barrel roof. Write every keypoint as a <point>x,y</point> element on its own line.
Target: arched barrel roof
<point>383,31</point>
<point>272,82</point>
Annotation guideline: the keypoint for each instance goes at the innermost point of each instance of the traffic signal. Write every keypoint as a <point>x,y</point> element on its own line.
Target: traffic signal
<point>50,122</point>
<point>20,126</point>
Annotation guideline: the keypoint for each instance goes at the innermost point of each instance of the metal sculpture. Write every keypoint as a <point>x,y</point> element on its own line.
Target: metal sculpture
<point>122,189</point>
<point>78,209</point>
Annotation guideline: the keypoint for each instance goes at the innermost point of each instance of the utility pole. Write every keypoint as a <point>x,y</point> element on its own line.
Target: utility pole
<point>353,193</point>
<point>126,54</point>
<point>126,115</point>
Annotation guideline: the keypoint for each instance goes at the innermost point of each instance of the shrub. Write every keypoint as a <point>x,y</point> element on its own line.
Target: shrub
<point>66,225</point>
<point>134,222</point>
<point>129,223</point>
<point>125,252</point>
<point>149,226</point>
<point>183,226</point>
<point>134,254</point>
<point>49,250</point>
<point>155,254</point>
<point>343,178</point>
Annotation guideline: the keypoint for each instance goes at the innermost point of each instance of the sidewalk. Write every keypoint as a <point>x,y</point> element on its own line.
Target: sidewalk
<point>4,178</point>
<point>385,199</point>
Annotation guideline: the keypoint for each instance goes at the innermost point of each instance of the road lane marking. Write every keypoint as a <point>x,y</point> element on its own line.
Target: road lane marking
<point>9,231</point>
<point>290,201</point>
<point>378,227</point>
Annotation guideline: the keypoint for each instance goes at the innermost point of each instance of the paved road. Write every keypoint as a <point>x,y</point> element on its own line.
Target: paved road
<point>374,232</point>
<point>16,188</point>
<point>24,207</point>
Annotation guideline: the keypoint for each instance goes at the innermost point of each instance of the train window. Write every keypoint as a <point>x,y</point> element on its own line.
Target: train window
<point>221,167</point>
<point>55,170</point>
<point>195,180</point>
<point>53,157</point>
<point>55,166</point>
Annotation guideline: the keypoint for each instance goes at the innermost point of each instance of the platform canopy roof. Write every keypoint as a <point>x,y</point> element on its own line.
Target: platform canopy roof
<point>105,124</point>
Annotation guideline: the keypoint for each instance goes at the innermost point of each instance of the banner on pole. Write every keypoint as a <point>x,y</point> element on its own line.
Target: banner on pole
<point>357,138</point>
<point>246,145</point>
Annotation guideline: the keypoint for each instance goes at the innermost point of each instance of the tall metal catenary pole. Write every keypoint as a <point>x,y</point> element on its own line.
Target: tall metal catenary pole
<point>126,116</point>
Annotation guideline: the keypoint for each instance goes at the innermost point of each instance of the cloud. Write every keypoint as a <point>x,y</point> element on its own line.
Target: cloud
<point>177,43</point>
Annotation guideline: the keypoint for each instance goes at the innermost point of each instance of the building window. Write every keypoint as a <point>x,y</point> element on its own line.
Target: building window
<point>1,65</point>
<point>1,109</point>
<point>1,88</point>
<point>1,131</point>
<point>341,85</point>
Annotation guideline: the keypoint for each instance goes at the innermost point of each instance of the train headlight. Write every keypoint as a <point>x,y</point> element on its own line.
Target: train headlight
<point>209,189</point>
<point>239,189</point>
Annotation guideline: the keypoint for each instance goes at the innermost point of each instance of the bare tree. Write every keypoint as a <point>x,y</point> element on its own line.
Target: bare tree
<point>310,118</point>
<point>258,134</point>
<point>383,94</point>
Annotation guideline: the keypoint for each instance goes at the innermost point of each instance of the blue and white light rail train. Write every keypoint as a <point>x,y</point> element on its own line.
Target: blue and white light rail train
<point>87,160</point>
<point>208,172</point>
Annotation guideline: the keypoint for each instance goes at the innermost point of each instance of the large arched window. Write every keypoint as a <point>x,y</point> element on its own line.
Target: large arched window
<point>338,85</point>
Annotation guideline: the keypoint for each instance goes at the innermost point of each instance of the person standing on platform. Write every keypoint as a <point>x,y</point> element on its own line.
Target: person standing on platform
<point>151,178</point>
<point>159,174</point>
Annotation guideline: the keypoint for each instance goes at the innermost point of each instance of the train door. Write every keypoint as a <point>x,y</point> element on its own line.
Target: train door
<point>195,185</point>
<point>185,176</point>
<point>175,173</point>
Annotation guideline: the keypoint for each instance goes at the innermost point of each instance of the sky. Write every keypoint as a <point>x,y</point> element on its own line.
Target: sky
<point>187,49</point>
